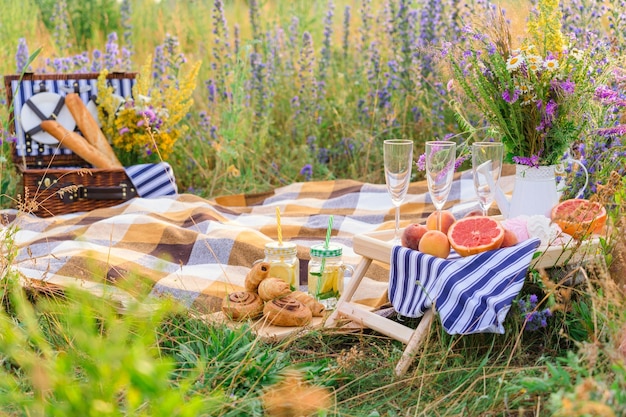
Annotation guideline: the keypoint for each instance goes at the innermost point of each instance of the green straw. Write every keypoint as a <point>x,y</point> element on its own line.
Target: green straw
<point>326,243</point>
<point>328,231</point>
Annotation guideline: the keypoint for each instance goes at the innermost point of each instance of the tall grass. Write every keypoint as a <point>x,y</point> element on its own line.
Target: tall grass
<point>287,86</point>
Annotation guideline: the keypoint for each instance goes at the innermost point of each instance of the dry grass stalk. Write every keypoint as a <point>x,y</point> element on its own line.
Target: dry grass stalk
<point>294,397</point>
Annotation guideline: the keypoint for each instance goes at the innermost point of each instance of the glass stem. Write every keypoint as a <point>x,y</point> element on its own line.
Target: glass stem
<point>397,234</point>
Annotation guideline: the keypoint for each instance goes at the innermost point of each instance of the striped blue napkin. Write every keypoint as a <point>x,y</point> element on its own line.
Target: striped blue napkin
<point>471,294</point>
<point>153,180</point>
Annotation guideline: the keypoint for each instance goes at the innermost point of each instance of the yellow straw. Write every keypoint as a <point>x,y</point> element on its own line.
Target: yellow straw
<point>280,232</point>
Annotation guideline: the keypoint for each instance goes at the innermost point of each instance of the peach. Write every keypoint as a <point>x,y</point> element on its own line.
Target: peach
<point>435,243</point>
<point>510,238</point>
<point>412,235</point>
<point>447,218</point>
<point>474,213</point>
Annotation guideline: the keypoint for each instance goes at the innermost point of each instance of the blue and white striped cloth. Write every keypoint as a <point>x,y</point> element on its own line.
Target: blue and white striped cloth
<point>471,294</point>
<point>153,180</point>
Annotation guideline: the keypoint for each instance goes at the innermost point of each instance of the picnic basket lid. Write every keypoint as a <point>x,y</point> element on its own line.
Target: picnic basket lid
<point>33,97</point>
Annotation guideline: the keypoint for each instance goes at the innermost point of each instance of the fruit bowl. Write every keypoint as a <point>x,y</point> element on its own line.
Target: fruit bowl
<point>377,245</point>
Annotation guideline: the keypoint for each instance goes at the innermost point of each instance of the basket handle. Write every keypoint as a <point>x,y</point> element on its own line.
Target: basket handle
<point>122,192</point>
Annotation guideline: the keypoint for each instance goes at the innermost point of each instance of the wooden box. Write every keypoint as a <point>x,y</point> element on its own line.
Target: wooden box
<point>54,179</point>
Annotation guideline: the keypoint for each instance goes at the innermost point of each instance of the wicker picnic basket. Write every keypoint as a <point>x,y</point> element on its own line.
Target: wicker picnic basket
<point>54,180</point>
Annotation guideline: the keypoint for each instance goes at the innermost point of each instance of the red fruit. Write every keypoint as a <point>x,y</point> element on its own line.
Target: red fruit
<point>474,213</point>
<point>412,235</point>
<point>472,235</point>
<point>579,217</point>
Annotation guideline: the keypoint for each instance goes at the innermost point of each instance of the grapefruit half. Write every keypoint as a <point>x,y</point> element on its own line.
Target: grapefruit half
<point>579,217</point>
<point>475,234</point>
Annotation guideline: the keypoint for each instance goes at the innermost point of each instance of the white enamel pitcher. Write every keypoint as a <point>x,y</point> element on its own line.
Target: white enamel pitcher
<point>536,190</point>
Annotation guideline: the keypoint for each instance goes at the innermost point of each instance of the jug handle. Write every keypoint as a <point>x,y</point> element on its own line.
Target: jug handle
<point>578,162</point>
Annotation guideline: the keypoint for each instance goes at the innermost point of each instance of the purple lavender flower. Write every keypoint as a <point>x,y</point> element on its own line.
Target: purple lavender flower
<point>618,130</point>
<point>96,62</point>
<point>506,96</point>
<point>111,59</point>
<point>421,162</point>
<point>61,33</point>
<point>22,55</point>
<point>568,87</point>
<point>346,31</point>
<point>307,171</point>
<point>534,318</point>
<point>606,94</point>
<point>532,161</point>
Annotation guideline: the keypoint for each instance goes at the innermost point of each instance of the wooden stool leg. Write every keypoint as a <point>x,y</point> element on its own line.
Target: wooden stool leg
<point>423,328</point>
<point>349,291</point>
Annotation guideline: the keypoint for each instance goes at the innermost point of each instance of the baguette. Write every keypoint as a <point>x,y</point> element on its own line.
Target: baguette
<point>77,144</point>
<point>89,127</point>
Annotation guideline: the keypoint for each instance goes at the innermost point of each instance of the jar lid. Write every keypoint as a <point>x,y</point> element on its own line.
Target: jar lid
<point>321,252</point>
<point>275,248</point>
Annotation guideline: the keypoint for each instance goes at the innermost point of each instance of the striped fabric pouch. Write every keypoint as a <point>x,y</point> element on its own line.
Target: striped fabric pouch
<point>471,294</point>
<point>153,180</point>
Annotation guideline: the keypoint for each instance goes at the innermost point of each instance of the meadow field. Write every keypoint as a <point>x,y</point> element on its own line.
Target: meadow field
<point>291,91</point>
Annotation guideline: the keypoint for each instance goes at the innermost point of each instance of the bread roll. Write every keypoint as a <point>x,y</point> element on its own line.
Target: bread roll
<point>287,312</point>
<point>315,306</point>
<point>258,273</point>
<point>77,144</point>
<point>242,305</point>
<point>271,288</point>
<point>89,127</point>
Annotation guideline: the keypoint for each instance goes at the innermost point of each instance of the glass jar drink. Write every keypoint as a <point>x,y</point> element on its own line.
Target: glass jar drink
<point>284,263</point>
<point>326,273</point>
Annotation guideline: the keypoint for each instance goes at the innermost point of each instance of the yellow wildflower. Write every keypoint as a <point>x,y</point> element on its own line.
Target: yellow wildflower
<point>145,128</point>
<point>545,27</point>
<point>233,171</point>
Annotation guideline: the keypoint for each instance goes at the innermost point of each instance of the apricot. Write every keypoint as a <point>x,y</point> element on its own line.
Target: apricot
<point>510,238</point>
<point>435,243</point>
<point>412,235</point>
<point>447,218</point>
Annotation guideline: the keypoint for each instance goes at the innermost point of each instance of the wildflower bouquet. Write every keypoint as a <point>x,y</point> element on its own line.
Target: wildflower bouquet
<point>145,127</point>
<point>537,98</point>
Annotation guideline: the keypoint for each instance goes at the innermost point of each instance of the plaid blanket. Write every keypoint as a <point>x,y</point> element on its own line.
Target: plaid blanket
<point>197,250</point>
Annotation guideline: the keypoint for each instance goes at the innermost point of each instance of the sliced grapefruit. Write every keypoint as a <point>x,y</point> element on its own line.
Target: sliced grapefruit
<point>579,217</point>
<point>476,234</point>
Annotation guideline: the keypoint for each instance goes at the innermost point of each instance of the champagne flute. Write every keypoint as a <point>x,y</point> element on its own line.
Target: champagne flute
<point>486,167</point>
<point>398,163</point>
<point>440,159</point>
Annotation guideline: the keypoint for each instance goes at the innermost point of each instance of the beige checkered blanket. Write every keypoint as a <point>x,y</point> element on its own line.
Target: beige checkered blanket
<point>198,250</point>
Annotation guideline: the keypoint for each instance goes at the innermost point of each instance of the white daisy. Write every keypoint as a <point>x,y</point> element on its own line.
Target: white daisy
<point>534,59</point>
<point>528,100</point>
<point>551,64</point>
<point>514,63</point>
<point>577,54</point>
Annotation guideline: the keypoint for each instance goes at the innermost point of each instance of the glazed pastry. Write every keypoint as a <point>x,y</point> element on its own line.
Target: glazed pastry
<point>271,288</point>
<point>242,305</point>
<point>312,304</point>
<point>257,274</point>
<point>287,312</point>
